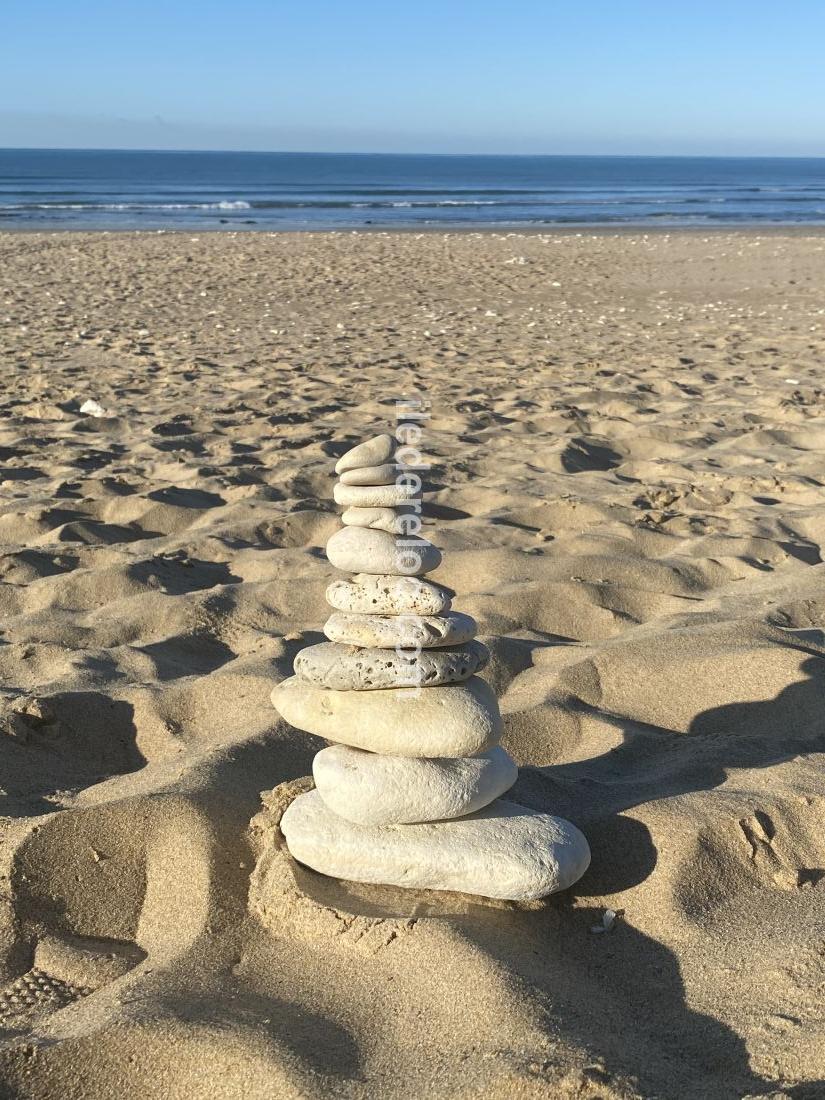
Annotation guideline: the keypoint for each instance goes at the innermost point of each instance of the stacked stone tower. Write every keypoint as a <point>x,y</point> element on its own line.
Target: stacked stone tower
<point>409,792</point>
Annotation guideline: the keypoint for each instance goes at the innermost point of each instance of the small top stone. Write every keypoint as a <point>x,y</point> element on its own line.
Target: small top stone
<point>372,452</point>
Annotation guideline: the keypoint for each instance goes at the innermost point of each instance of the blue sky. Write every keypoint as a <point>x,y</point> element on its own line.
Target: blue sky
<point>723,77</point>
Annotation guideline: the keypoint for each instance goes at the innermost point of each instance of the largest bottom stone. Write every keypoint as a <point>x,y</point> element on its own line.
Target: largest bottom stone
<point>505,851</point>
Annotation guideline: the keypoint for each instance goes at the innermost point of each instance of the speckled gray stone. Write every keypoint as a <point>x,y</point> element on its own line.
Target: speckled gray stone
<point>504,851</point>
<point>370,788</point>
<point>362,550</point>
<point>404,631</point>
<point>384,594</point>
<point>452,720</point>
<point>353,668</point>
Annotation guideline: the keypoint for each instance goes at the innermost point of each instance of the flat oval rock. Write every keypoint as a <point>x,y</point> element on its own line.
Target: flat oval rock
<point>402,631</point>
<point>371,475</point>
<point>385,594</point>
<point>353,668</point>
<point>369,788</point>
<point>363,550</point>
<point>372,496</point>
<point>454,720</point>
<point>372,452</point>
<point>394,521</point>
<point>504,851</point>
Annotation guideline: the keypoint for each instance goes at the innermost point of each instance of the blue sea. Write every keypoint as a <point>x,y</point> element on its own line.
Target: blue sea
<point>93,189</point>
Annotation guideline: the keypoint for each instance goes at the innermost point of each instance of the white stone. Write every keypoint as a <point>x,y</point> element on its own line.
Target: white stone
<point>405,519</point>
<point>352,668</point>
<point>372,452</point>
<point>402,631</point>
<point>454,720</point>
<point>505,851</point>
<point>371,475</point>
<point>371,789</point>
<point>372,496</point>
<point>362,550</point>
<point>379,519</point>
<point>385,594</point>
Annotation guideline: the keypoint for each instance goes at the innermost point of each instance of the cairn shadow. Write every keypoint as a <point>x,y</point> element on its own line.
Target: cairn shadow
<point>644,1027</point>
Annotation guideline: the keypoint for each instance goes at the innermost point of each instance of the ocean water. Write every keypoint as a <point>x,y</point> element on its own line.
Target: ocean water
<point>89,189</point>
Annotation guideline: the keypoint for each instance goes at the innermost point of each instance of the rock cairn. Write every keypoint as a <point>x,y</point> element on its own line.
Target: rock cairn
<point>409,792</point>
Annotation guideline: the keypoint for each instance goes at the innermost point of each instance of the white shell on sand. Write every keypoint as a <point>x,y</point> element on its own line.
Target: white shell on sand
<point>404,631</point>
<point>371,475</point>
<point>454,720</point>
<point>352,668</point>
<point>384,594</point>
<point>504,851</point>
<point>362,550</point>
<point>372,496</point>
<point>372,452</point>
<point>372,789</point>
<point>394,521</point>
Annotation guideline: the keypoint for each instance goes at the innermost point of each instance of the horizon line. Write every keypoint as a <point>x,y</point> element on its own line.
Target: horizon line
<point>411,153</point>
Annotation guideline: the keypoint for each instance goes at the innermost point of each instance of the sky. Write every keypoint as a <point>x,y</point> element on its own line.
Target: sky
<point>715,77</point>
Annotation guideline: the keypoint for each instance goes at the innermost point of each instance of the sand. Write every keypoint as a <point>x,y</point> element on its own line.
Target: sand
<point>629,442</point>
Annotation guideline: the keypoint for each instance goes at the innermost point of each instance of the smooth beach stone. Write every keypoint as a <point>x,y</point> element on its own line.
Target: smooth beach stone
<point>371,475</point>
<point>371,789</point>
<point>403,520</point>
<point>362,550</point>
<point>453,720</point>
<point>379,519</point>
<point>385,594</point>
<point>504,851</point>
<point>373,496</point>
<point>372,452</point>
<point>405,631</point>
<point>352,668</point>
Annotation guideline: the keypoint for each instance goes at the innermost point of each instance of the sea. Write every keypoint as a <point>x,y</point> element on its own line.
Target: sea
<point>153,190</point>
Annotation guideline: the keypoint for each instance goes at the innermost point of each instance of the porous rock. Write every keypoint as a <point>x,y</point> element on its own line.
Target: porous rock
<point>401,631</point>
<point>353,668</point>
<point>385,594</point>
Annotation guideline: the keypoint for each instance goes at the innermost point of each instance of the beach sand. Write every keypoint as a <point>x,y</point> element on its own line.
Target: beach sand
<point>629,457</point>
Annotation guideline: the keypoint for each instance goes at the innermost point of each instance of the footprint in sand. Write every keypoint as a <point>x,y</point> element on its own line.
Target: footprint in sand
<point>63,971</point>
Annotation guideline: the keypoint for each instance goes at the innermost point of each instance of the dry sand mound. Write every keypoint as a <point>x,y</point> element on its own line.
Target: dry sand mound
<point>635,514</point>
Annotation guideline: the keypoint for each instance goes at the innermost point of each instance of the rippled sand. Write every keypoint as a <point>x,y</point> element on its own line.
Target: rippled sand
<point>628,444</point>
